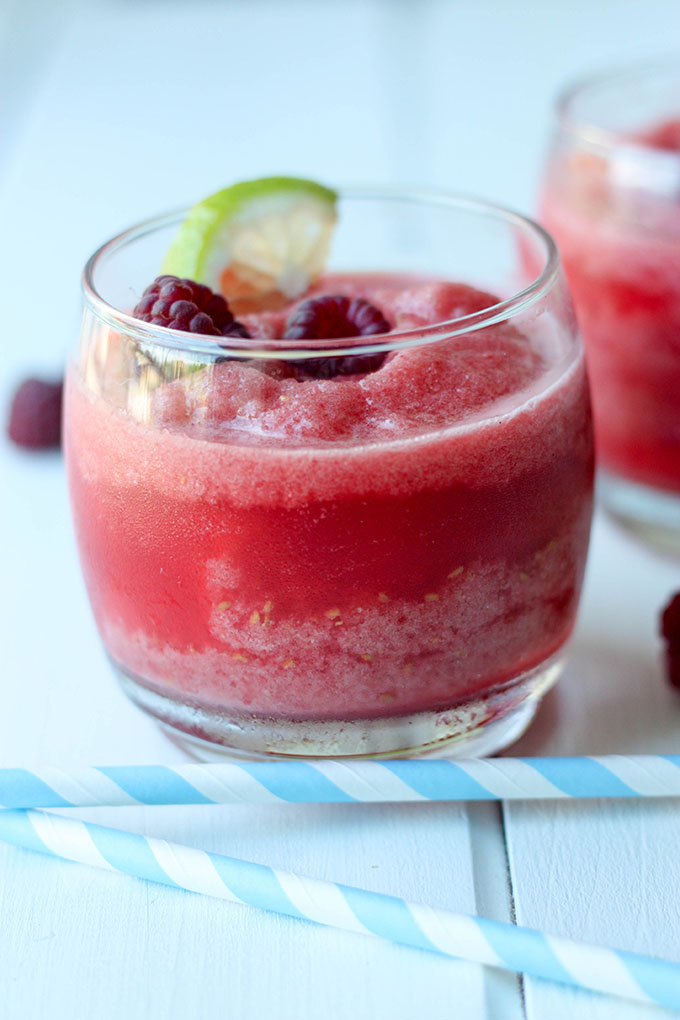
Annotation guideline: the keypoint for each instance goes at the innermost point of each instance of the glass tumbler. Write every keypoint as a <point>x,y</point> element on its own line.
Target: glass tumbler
<point>611,199</point>
<point>362,546</point>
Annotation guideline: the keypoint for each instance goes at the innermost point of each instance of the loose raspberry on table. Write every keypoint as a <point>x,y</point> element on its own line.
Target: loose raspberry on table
<point>188,306</point>
<point>334,316</point>
<point>670,632</point>
<point>35,414</point>
<point>666,137</point>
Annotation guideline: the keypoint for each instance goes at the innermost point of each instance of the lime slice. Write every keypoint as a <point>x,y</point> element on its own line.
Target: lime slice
<point>256,241</point>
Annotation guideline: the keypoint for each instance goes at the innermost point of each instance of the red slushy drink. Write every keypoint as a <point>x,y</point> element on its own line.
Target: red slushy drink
<point>612,201</point>
<point>306,556</point>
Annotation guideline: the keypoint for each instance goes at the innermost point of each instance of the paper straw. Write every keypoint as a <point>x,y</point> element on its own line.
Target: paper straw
<point>340,781</point>
<point>475,939</point>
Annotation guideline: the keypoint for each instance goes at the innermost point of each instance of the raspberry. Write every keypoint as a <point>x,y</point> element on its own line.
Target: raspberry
<point>673,669</point>
<point>670,631</point>
<point>333,316</point>
<point>666,137</point>
<point>236,329</point>
<point>35,414</point>
<point>189,306</point>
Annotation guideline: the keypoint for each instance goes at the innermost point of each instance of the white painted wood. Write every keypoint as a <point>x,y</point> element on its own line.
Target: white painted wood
<point>136,107</point>
<point>604,871</point>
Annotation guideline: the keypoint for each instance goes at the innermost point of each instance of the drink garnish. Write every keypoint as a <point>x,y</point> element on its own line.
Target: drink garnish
<point>330,316</point>
<point>257,242</point>
<point>189,306</point>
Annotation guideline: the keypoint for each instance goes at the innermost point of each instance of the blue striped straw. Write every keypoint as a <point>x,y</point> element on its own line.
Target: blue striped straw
<point>341,781</point>
<point>475,939</point>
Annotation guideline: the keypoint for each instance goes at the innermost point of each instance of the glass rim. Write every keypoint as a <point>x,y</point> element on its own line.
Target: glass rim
<point>605,139</point>
<point>256,347</point>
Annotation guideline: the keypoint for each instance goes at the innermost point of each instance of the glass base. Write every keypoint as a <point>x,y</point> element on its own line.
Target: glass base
<point>652,514</point>
<point>474,728</point>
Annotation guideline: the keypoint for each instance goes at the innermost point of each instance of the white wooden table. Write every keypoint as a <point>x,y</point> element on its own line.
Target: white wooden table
<point>112,111</point>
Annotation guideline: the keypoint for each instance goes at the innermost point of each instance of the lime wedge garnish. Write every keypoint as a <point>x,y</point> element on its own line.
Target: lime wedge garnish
<point>256,240</point>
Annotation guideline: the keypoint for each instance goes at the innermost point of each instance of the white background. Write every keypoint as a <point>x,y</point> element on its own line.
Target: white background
<point>112,111</point>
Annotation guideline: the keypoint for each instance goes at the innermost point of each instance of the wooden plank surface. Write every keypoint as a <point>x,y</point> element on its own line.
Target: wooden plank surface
<point>605,872</point>
<point>133,108</point>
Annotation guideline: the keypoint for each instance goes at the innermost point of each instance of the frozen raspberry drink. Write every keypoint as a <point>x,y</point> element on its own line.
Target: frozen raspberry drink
<point>354,551</point>
<point>612,201</point>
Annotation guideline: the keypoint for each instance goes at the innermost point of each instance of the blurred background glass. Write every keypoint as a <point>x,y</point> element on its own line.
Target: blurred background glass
<point>611,197</point>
